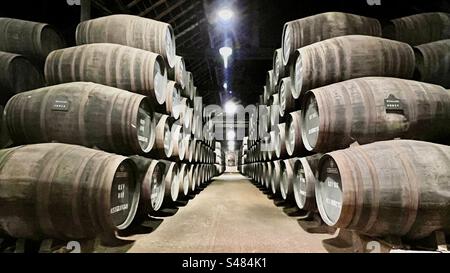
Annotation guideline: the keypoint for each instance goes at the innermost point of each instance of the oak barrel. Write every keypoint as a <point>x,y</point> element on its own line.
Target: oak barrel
<point>87,114</point>
<point>433,63</point>
<point>114,65</point>
<point>163,147</point>
<point>17,74</point>
<point>172,182</point>
<point>287,101</point>
<point>31,39</point>
<point>397,187</point>
<point>372,109</point>
<point>304,182</point>
<point>316,28</point>
<point>294,142</point>
<point>350,57</point>
<point>286,183</point>
<point>65,192</point>
<point>129,30</point>
<point>150,174</point>
<point>178,73</point>
<point>419,28</point>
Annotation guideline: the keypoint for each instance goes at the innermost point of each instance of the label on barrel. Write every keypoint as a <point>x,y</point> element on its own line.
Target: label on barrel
<point>60,104</point>
<point>393,105</point>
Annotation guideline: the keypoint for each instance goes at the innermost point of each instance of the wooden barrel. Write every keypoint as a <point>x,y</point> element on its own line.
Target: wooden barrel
<point>350,57</point>
<point>150,174</point>
<point>419,28</point>
<point>373,109</point>
<point>163,147</point>
<point>129,30</point>
<point>30,39</point>
<point>268,174</point>
<point>294,142</point>
<point>184,181</point>
<point>286,183</point>
<point>316,28</point>
<point>192,178</point>
<point>173,97</point>
<point>188,90</point>
<point>270,82</point>
<point>114,65</point>
<point>178,111</point>
<point>187,118</point>
<point>397,187</point>
<point>287,101</point>
<point>275,111</point>
<point>83,113</point>
<point>177,142</point>
<point>17,74</point>
<point>65,192</point>
<point>275,178</point>
<point>304,181</point>
<point>280,142</point>
<point>5,139</point>
<point>433,63</point>
<point>279,70</point>
<point>192,150</point>
<point>172,183</point>
<point>178,73</point>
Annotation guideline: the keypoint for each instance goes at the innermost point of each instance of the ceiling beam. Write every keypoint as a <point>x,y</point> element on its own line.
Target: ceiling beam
<point>167,11</point>
<point>152,7</point>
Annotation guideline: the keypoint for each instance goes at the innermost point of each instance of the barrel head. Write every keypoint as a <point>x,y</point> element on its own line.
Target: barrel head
<point>329,194</point>
<point>310,123</point>
<point>122,198</point>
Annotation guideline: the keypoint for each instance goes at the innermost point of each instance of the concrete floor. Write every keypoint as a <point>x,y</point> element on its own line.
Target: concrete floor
<point>230,215</point>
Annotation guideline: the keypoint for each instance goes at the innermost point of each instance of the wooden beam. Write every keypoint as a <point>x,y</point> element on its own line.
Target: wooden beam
<point>149,9</point>
<point>191,7</point>
<point>167,11</point>
<point>133,3</point>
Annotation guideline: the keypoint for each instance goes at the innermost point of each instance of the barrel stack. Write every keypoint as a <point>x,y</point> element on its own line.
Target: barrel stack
<point>358,116</point>
<point>114,121</point>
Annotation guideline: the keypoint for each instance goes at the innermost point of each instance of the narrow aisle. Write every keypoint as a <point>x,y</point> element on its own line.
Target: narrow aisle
<point>230,215</point>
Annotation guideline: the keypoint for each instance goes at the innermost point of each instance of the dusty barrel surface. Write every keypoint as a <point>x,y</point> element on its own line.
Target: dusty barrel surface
<point>397,187</point>
<point>304,181</point>
<point>129,30</point>
<point>172,182</point>
<point>350,57</point>
<point>31,39</point>
<point>316,28</point>
<point>150,175</point>
<point>374,109</point>
<point>433,63</point>
<point>17,74</point>
<point>419,28</point>
<point>124,67</point>
<point>163,147</point>
<point>178,73</point>
<point>65,192</point>
<point>82,113</point>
